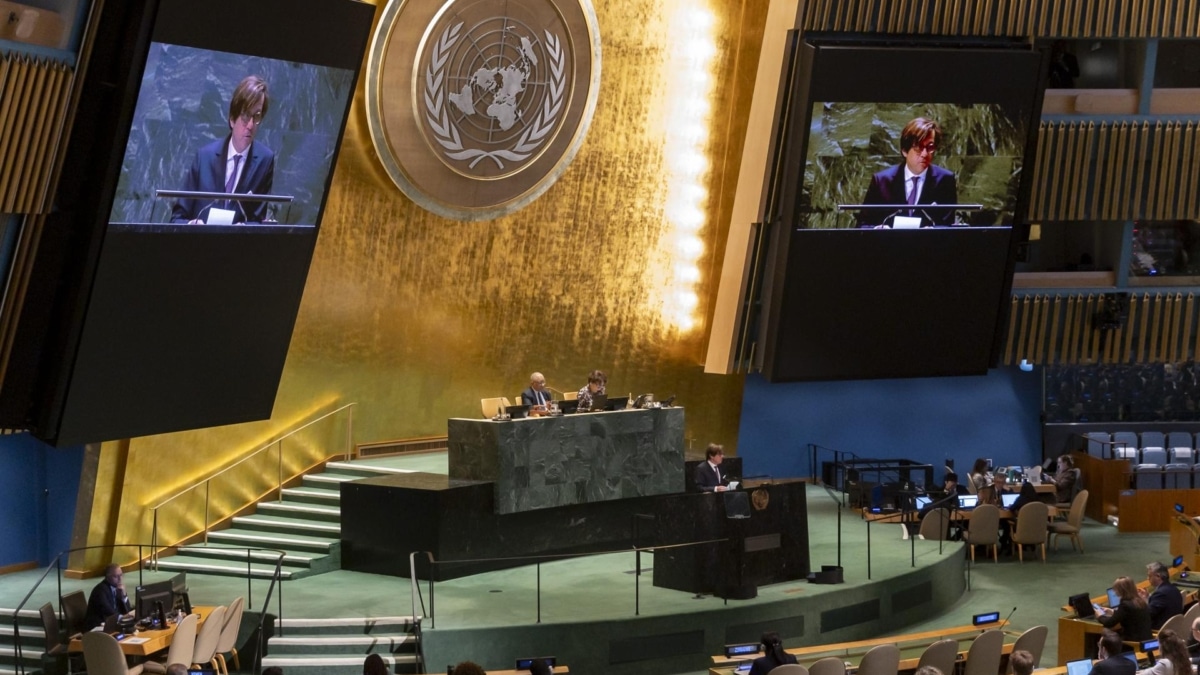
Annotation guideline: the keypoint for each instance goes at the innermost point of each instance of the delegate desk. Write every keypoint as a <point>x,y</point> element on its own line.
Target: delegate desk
<point>911,647</point>
<point>547,462</point>
<point>147,642</point>
<point>1077,637</point>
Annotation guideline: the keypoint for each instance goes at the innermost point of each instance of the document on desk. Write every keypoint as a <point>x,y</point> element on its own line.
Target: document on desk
<point>135,640</point>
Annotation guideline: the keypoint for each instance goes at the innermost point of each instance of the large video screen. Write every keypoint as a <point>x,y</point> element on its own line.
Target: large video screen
<point>224,122</point>
<point>898,181</point>
<point>194,193</point>
<point>864,156</point>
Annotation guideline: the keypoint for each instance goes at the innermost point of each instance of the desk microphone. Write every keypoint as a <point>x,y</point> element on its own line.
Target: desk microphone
<point>1014,611</point>
<point>553,390</point>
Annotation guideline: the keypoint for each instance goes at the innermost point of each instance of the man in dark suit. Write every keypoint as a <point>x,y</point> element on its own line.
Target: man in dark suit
<point>1111,662</point>
<point>708,475</point>
<point>232,164</point>
<point>913,182</point>
<point>1165,600</point>
<point>107,598</point>
<point>536,395</point>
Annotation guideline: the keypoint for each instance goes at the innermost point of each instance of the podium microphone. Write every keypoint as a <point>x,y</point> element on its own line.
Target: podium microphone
<point>239,205</point>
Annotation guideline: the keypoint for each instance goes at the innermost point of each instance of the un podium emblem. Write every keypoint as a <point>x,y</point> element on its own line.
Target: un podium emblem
<point>477,107</point>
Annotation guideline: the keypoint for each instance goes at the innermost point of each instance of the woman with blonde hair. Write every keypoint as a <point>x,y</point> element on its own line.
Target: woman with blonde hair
<point>1132,614</point>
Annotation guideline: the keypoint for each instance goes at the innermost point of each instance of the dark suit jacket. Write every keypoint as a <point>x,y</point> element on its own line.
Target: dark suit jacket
<point>887,187</point>
<point>1114,665</point>
<point>765,664</point>
<point>1135,622</point>
<point>102,605</point>
<point>1165,602</point>
<point>529,396</point>
<point>208,175</point>
<point>705,479</point>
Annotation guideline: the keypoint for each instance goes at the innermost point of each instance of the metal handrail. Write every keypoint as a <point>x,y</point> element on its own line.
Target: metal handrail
<point>207,482</point>
<point>417,597</point>
<point>277,576</point>
<point>56,564</point>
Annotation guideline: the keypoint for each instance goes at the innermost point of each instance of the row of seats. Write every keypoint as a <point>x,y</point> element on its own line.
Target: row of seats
<point>983,657</point>
<point>1173,466</point>
<point>1166,477</point>
<point>1150,447</point>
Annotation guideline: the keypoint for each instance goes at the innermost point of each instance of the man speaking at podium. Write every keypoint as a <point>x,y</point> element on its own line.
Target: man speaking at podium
<point>708,475</point>
<point>915,181</point>
<point>232,164</point>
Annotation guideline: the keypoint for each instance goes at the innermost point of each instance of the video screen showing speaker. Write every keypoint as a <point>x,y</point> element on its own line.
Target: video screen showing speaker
<point>195,195</point>
<point>897,192</point>
<point>214,132</point>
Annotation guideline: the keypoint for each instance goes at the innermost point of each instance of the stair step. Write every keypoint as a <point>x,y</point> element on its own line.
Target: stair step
<point>29,653</point>
<point>311,645</point>
<point>325,661</point>
<point>328,481</point>
<point>301,510</point>
<point>325,627</point>
<point>296,525</point>
<point>362,469</point>
<point>269,540</point>
<point>312,495</point>
<point>292,558</point>
<point>230,568</point>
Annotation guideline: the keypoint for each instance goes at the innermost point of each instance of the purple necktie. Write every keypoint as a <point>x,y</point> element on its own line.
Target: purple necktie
<point>912,196</point>
<point>231,182</point>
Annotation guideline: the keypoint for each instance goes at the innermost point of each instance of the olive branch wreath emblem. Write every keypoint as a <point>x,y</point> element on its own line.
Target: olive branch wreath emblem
<point>446,133</point>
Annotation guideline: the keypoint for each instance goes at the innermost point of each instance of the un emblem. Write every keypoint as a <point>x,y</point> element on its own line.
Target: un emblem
<point>475,108</point>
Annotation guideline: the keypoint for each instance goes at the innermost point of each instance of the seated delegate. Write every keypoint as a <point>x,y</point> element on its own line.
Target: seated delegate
<point>774,655</point>
<point>1173,656</point>
<point>1132,614</point>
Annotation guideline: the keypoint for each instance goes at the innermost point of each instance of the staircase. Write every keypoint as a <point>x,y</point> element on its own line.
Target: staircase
<point>305,524</point>
<point>338,646</point>
<point>33,643</point>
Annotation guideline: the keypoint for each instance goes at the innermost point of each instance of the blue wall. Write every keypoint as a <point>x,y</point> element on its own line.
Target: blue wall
<point>997,416</point>
<point>38,489</point>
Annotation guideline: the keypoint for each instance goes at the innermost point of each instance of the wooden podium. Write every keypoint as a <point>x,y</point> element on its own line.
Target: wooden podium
<point>1185,538</point>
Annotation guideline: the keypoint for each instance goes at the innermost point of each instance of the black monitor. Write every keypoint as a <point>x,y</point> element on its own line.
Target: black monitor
<point>526,664</point>
<point>150,595</point>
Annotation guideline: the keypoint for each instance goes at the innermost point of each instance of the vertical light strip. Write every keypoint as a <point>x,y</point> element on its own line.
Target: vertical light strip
<point>689,82</point>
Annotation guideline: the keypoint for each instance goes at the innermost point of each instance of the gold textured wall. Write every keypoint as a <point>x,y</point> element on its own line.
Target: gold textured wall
<point>416,317</point>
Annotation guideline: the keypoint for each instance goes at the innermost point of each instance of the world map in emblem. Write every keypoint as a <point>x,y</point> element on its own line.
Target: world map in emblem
<point>494,93</point>
<point>476,107</point>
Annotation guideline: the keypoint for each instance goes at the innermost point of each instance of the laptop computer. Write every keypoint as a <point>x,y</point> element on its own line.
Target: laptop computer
<point>1008,499</point>
<point>922,501</point>
<point>617,403</point>
<point>967,502</point>
<point>599,402</point>
<point>1080,667</point>
<point>517,411</point>
<point>568,407</point>
<point>1082,605</point>
<point>1113,598</point>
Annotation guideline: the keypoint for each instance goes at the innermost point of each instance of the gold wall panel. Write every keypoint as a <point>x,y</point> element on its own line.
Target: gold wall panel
<point>1159,328</point>
<point>1044,18</point>
<point>1116,171</point>
<point>416,317</point>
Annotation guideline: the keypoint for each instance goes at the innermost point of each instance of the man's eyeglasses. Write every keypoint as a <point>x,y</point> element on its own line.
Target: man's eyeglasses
<point>927,148</point>
<point>247,117</point>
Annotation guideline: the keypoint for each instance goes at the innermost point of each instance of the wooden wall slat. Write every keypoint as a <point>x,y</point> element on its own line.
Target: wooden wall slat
<point>33,100</point>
